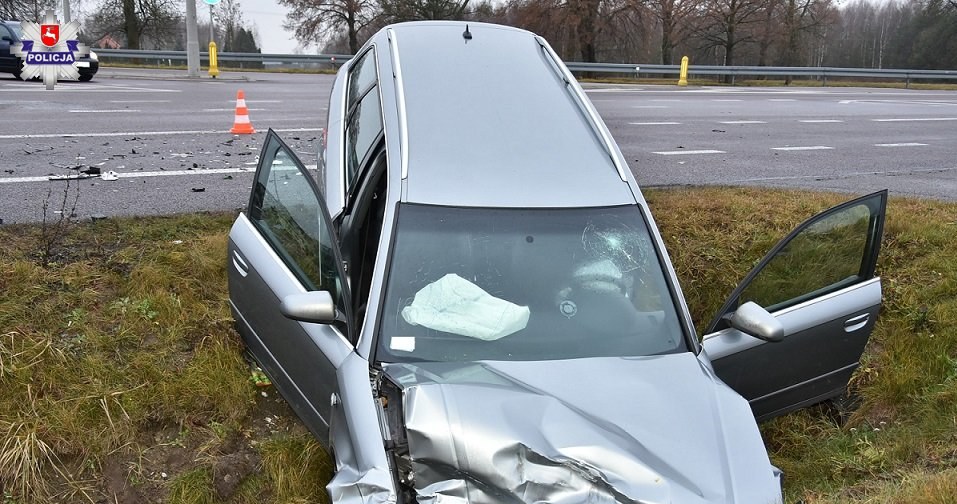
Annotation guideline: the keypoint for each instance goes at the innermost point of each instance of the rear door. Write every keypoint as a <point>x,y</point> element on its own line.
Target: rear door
<point>284,244</point>
<point>820,283</point>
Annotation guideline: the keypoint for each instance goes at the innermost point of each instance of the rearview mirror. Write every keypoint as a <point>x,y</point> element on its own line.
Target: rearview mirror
<point>753,320</point>
<point>316,306</point>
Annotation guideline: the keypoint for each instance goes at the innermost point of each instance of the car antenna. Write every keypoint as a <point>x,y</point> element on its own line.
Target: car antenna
<point>467,35</point>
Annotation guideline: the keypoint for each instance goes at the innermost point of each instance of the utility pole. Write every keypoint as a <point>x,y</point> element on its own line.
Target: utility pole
<point>66,11</point>
<point>211,36</point>
<point>192,40</point>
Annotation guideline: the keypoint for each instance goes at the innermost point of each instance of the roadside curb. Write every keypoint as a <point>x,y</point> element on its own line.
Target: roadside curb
<point>231,78</point>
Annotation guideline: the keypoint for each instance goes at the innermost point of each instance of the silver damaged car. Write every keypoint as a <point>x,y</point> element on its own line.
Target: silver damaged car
<point>471,303</point>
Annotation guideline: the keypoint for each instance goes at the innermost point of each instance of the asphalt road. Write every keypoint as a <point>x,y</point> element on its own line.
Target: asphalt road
<point>167,138</point>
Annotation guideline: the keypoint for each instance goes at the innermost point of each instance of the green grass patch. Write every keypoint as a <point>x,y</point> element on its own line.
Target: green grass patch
<point>122,379</point>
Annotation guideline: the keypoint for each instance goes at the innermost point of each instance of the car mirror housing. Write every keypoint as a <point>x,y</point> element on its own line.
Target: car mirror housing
<point>315,306</point>
<point>750,318</point>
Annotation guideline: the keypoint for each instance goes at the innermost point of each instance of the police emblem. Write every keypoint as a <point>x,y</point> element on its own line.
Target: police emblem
<point>49,50</point>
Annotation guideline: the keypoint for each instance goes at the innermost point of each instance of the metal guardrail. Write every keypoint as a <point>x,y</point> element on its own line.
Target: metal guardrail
<point>817,73</point>
<point>225,56</point>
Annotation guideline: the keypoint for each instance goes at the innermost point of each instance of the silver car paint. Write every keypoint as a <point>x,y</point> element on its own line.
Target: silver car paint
<point>730,466</point>
<point>551,187</point>
<point>800,317</point>
<point>355,481</point>
<point>664,430</point>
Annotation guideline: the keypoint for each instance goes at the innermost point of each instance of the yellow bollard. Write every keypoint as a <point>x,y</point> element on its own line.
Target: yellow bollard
<point>213,65</point>
<point>683,76</point>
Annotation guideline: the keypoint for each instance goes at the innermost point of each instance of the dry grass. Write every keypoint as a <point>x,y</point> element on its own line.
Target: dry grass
<point>907,383</point>
<point>119,364</point>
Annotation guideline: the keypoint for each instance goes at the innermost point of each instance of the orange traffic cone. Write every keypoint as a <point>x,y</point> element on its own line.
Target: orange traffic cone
<point>241,125</point>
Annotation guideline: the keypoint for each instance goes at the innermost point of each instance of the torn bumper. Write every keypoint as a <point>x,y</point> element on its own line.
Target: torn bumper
<point>605,430</point>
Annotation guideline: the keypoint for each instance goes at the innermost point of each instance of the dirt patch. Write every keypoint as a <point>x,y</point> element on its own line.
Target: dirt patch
<point>116,484</point>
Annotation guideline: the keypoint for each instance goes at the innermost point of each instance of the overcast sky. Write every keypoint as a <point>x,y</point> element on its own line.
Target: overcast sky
<point>267,16</point>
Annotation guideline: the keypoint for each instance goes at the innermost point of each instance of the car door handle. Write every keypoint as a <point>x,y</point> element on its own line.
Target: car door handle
<point>240,264</point>
<point>854,323</point>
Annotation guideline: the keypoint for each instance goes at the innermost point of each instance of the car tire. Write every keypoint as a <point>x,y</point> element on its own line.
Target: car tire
<point>19,69</point>
<point>86,78</point>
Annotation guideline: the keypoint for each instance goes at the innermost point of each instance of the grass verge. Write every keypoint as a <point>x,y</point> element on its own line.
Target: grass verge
<point>121,377</point>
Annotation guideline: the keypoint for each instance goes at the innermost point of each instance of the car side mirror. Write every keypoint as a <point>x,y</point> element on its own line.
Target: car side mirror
<point>6,38</point>
<point>315,306</point>
<point>753,320</point>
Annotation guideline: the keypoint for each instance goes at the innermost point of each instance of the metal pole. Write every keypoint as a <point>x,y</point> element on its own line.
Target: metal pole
<point>211,38</point>
<point>66,11</point>
<point>192,40</point>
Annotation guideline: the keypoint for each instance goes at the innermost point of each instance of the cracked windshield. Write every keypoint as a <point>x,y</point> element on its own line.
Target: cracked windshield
<point>508,284</point>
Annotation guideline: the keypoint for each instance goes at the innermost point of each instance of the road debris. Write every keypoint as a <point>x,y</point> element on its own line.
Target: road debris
<point>110,176</point>
<point>72,176</point>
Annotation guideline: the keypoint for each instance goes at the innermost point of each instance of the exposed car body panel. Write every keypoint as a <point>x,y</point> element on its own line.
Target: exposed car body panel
<point>483,142</point>
<point>663,429</point>
<point>363,473</point>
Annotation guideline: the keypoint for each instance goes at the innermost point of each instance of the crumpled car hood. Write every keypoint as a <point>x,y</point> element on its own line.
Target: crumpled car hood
<point>657,429</point>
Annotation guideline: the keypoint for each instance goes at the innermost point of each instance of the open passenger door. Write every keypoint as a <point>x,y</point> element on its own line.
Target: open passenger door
<point>819,283</point>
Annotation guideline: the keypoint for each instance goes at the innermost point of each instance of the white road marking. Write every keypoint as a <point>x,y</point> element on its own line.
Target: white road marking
<point>145,174</point>
<point>666,100</point>
<point>649,106</point>
<point>726,100</point>
<point>115,111</point>
<point>142,133</point>
<point>743,122</point>
<point>230,109</point>
<point>916,119</point>
<point>844,175</point>
<point>905,144</point>
<point>820,121</point>
<point>781,99</point>
<point>612,90</point>
<point>805,148</point>
<point>84,89</point>
<point>662,123</point>
<point>260,101</point>
<point>679,152</point>
<point>139,101</point>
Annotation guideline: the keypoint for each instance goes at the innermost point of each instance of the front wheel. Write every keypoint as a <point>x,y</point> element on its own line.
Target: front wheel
<point>86,78</point>
<point>18,69</point>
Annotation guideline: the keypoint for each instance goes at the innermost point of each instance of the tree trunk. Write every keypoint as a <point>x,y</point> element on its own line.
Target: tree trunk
<point>131,25</point>
<point>667,29</point>
<point>729,44</point>
<point>791,26</point>
<point>353,32</point>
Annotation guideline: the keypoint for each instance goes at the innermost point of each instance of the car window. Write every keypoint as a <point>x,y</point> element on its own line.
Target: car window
<point>826,256</point>
<point>5,32</point>
<point>363,76</point>
<point>363,116</point>
<point>364,127</point>
<point>525,284</point>
<point>286,210</point>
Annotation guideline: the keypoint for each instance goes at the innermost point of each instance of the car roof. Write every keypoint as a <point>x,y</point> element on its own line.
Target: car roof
<point>491,121</point>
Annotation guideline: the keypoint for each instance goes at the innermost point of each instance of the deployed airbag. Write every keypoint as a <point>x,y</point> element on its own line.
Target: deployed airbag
<point>454,305</point>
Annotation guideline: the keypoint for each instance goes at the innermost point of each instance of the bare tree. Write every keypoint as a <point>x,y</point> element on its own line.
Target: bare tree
<point>801,16</point>
<point>153,22</point>
<point>726,24</point>
<point>320,21</point>
<point>672,18</point>
<point>395,11</point>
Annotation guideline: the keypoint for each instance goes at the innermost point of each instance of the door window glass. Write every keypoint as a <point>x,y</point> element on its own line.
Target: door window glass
<point>363,76</point>
<point>287,211</point>
<point>365,126</point>
<point>825,256</point>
